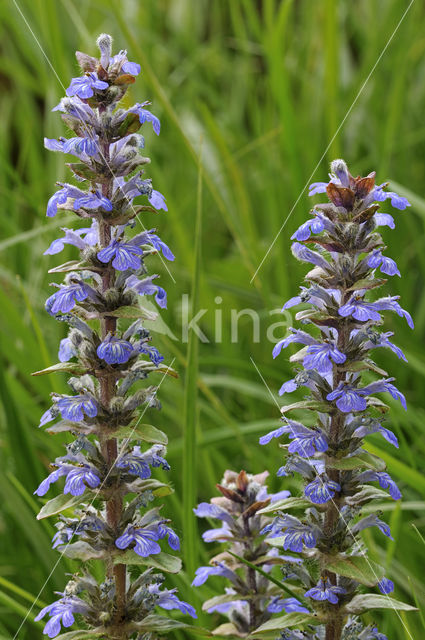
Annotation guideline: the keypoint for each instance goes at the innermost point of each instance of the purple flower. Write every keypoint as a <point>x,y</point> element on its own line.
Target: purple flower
<point>306,442</point>
<point>79,478</point>
<point>387,265</point>
<point>381,386</point>
<point>207,510</point>
<point>374,426</point>
<point>79,110</point>
<point>317,187</point>
<point>295,336</point>
<point>158,244</point>
<point>92,200</point>
<point>152,352</point>
<point>131,67</point>
<point>51,478</point>
<point>76,146</point>
<point>320,357</point>
<point>157,200</point>
<point>124,255</point>
<point>83,87</point>
<point>145,541</point>
<point>384,220</point>
<point>307,228</point>
<point>386,586</point>
<point>62,612</point>
<point>114,350</point>
<point>146,116</point>
<point>60,198</point>
<point>168,600</point>
<point>66,350</point>
<point>307,255</point>
<point>372,521</point>
<point>294,534</point>
<point>398,202</point>
<point>172,537</point>
<point>288,605</point>
<point>385,482</point>
<point>276,433</point>
<point>376,339</point>
<point>390,304</point>
<point>203,573</point>
<point>320,491</point>
<point>65,298</point>
<point>146,288</point>
<point>73,237</point>
<point>324,590</point>
<point>348,398</point>
<point>288,387</point>
<point>360,310</point>
<point>138,463</point>
<point>73,408</point>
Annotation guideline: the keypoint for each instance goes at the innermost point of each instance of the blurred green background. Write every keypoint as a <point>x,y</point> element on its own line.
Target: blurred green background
<point>263,87</point>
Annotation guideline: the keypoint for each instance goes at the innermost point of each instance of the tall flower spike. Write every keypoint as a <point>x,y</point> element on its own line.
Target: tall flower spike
<point>250,599</point>
<point>345,320</point>
<point>106,474</point>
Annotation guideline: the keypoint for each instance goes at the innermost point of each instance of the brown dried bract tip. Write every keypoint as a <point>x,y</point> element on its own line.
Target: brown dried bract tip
<point>229,493</point>
<point>242,481</point>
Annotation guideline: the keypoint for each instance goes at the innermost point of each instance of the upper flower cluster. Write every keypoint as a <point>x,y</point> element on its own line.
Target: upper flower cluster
<point>344,319</point>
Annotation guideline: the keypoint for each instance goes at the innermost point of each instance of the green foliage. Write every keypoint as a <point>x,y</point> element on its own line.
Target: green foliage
<point>267,86</point>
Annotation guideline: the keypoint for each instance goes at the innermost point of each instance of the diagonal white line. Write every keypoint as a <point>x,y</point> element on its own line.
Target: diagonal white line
<point>98,490</point>
<point>88,132</point>
<point>332,501</point>
<point>332,139</point>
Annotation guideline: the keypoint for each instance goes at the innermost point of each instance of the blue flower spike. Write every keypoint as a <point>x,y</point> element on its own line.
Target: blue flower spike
<point>107,474</point>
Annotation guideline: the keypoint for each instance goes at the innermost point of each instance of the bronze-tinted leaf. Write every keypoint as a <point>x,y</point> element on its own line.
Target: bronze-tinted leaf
<point>340,196</point>
<point>126,78</point>
<point>365,186</point>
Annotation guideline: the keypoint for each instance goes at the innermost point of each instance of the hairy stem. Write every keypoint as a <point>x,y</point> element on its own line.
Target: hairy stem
<point>334,623</point>
<point>107,391</point>
<point>252,578</point>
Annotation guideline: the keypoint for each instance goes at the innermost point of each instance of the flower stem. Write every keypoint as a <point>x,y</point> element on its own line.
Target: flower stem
<point>107,390</point>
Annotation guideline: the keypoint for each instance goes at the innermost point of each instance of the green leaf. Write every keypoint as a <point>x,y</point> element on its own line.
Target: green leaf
<point>364,459</point>
<point>130,124</point>
<point>358,568</point>
<point>287,503</point>
<point>366,601</point>
<point>62,367</point>
<point>82,170</point>
<point>145,432</point>
<point>132,312</point>
<point>161,624</point>
<point>367,283</point>
<point>80,550</point>
<point>80,635</point>
<point>71,265</point>
<point>293,619</point>
<point>367,493</point>
<point>163,561</point>
<point>312,405</point>
<point>61,503</point>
